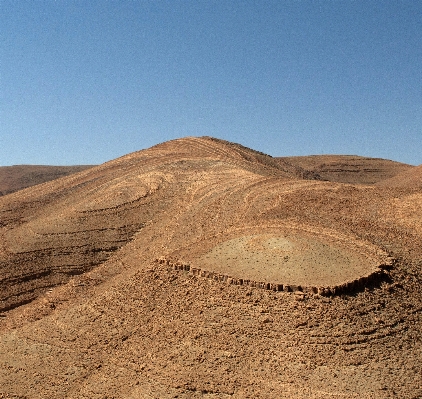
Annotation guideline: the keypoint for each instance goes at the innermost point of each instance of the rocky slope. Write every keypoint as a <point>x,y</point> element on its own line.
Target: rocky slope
<point>98,301</point>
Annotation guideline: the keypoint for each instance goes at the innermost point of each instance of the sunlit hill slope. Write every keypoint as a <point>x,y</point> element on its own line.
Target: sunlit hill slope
<point>199,268</point>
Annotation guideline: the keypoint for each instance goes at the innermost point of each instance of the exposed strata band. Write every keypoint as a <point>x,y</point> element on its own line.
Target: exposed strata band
<point>348,287</point>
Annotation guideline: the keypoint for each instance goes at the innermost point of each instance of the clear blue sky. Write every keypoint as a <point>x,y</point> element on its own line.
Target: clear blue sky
<point>83,82</point>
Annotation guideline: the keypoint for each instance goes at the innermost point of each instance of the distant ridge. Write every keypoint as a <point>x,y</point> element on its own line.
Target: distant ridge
<point>18,177</point>
<point>352,169</point>
<point>411,178</point>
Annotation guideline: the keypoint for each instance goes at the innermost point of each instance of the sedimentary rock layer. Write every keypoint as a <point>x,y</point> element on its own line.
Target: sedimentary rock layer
<point>358,284</point>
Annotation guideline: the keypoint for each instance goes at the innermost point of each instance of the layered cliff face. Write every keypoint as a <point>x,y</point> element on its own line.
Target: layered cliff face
<point>201,268</point>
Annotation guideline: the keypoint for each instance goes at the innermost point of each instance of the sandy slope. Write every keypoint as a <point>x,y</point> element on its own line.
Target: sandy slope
<point>104,319</point>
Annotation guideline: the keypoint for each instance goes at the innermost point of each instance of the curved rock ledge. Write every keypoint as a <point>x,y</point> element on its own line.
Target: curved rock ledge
<point>348,287</point>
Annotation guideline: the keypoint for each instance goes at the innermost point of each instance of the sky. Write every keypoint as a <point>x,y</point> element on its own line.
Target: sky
<point>86,81</point>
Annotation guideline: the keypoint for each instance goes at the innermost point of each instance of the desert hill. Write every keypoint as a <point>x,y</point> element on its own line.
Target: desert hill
<point>351,169</point>
<point>411,178</point>
<point>200,268</point>
<point>17,177</point>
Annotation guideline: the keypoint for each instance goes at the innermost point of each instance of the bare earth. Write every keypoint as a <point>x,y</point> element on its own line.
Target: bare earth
<point>202,269</point>
<point>18,177</point>
<point>351,169</point>
<point>293,259</point>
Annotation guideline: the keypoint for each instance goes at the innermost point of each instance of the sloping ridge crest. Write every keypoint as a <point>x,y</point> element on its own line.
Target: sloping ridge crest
<point>210,148</point>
